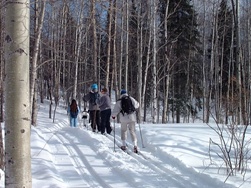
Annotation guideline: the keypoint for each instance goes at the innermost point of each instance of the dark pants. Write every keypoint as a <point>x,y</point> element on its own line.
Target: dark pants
<point>105,121</point>
<point>95,119</point>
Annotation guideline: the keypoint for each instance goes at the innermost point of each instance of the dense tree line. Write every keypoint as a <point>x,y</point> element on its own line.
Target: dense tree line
<point>176,57</point>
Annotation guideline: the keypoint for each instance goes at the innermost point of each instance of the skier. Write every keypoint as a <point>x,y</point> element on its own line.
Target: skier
<point>73,113</point>
<point>105,111</point>
<point>127,120</point>
<point>94,110</point>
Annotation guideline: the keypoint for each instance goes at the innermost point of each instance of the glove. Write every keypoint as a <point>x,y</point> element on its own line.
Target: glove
<point>113,117</point>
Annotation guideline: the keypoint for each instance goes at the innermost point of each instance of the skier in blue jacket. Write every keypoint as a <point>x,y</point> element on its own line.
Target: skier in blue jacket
<point>94,110</point>
<point>73,113</point>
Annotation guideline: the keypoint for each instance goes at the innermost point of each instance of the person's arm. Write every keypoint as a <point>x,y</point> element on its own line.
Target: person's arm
<point>100,100</point>
<point>86,98</point>
<point>135,103</point>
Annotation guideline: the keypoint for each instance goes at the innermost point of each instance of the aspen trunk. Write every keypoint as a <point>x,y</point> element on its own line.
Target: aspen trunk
<point>127,46</point>
<point>17,96</point>
<point>155,100</point>
<point>93,14</point>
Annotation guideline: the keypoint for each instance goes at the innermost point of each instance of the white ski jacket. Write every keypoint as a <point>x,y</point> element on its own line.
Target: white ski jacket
<point>126,118</point>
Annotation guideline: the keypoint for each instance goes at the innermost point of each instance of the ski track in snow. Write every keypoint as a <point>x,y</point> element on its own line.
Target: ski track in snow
<point>92,157</point>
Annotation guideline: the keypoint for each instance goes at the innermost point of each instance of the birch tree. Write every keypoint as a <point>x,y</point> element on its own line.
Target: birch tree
<point>140,55</point>
<point>93,13</point>
<point>109,37</point>
<point>154,62</point>
<point>17,98</point>
<point>1,87</point>
<point>39,16</point>
<point>114,71</point>
<point>126,45</point>
<point>147,61</point>
<point>78,44</point>
<point>165,103</point>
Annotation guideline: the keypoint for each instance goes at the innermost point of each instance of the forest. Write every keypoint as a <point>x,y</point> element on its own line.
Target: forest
<point>178,58</point>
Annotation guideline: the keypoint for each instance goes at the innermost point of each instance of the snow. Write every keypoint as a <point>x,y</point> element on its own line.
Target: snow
<point>172,156</point>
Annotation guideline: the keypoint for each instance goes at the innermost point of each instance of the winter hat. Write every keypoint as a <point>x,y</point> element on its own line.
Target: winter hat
<point>94,86</point>
<point>123,91</point>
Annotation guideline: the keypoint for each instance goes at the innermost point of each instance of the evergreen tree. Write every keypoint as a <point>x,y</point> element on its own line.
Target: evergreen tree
<point>224,40</point>
<point>183,40</point>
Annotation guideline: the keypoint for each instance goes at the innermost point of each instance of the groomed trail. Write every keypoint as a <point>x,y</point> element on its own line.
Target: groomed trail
<point>79,158</point>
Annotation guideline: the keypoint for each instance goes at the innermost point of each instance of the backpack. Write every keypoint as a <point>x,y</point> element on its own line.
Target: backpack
<point>126,105</point>
<point>93,97</point>
<point>74,114</point>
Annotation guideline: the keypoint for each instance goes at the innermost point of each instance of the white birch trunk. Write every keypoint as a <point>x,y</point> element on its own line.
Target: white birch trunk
<point>114,47</point>
<point>35,51</point>
<point>140,55</point>
<point>119,85</point>
<point>93,13</point>
<point>155,100</point>
<point>78,44</point>
<point>33,82</point>
<point>109,43</point>
<point>165,105</point>
<point>17,95</point>
<point>127,45</point>
<point>147,63</point>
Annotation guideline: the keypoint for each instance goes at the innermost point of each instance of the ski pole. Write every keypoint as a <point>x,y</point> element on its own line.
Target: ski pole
<point>140,131</point>
<point>141,137</point>
<point>114,134</point>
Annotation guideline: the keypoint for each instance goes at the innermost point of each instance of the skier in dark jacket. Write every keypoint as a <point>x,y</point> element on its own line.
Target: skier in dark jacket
<point>73,113</point>
<point>94,110</point>
<point>105,111</point>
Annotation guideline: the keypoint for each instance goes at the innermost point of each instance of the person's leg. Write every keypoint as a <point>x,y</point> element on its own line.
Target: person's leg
<point>102,123</point>
<point>71,121</point>
<point>132,131</point>
<point>123,133</point>
<point>92,120</point>
<point>75,122</point>
<point>107,120</point>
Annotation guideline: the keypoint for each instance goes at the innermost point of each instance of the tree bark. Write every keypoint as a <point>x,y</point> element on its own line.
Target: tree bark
<point>147,62</point>
<point>93,13</point>
<point>127,46</point>
<point>167,79</point>
<point>17,95</point>
<point>154,71</point>
<point>38,32</point>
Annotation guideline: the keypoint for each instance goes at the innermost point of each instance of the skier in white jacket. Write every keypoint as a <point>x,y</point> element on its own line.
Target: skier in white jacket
<point>126,120</point>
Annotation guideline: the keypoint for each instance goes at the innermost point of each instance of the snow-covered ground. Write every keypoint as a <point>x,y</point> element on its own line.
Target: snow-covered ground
<point>173,156</point>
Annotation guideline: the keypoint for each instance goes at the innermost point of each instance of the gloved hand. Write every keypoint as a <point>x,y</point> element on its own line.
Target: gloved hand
<point>113,117</point>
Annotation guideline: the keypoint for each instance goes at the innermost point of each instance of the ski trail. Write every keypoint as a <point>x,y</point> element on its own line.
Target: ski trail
<point>87,160</point>
<point>174,170</point>
<point>140,176</point>
<point>84,159</point>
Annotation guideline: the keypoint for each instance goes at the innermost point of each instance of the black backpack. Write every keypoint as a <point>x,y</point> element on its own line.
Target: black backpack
<point>93,97</point>
<point>126,105</point>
